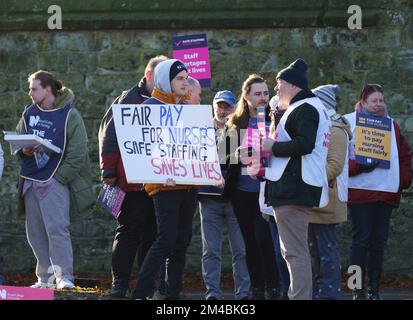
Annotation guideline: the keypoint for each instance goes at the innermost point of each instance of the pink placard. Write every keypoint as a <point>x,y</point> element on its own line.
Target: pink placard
<point>196,61</point>
<point>192,50</point>
<point>252,138</point>
<point>25,293</point>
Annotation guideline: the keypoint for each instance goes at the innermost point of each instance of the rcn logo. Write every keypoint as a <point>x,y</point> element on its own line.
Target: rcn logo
<point>3,294</point>
<point>34,120</point>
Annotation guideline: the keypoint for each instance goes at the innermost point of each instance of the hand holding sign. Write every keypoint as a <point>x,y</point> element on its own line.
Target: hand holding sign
<point>373,141</point>
<point>267,144</point>
<point>366,168</point>
<point>167,141</point>
<point>28,151</point>
<point>170,183</point>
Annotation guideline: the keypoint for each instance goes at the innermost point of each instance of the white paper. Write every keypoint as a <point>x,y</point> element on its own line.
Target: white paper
<point>30,140</point>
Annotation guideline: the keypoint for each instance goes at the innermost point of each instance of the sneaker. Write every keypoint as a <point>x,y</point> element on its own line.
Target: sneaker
<point>43,285</point>
<point>212,298</point>
<point>65,284</point>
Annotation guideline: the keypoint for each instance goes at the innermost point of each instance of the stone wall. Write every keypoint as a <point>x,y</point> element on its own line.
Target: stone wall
<point>98,57</point>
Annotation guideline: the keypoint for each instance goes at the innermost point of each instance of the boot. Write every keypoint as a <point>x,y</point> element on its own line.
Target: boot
<point>374,284</point>
<point>272,293</point>
<point>257,293</point>
<point>284,296</point>
<point>360,294</point>
<point>119,288</point>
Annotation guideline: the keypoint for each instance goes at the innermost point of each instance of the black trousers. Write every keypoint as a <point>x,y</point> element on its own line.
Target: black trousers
<point>370,229</point>
<point>262,266</point>
<point>174,211</point>
<point>135,234</point>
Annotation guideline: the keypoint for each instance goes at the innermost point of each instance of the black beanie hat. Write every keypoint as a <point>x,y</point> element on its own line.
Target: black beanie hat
<point>295,73</point>
<point>176,67</point>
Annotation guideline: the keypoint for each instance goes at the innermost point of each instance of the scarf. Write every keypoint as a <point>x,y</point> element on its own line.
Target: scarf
<point>360,109</point>
<point>167,98</point>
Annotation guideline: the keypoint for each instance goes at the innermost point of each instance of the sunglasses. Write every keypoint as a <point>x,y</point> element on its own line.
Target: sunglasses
<point>373,85</point>
<point>369,88</point>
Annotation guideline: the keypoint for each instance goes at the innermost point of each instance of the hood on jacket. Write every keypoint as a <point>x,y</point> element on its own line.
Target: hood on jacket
<point>64,98</point>
<point>341,122</point>
<point>162,79</point>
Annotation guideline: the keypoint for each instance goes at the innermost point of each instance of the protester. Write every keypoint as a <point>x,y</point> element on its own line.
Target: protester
<point>194,91</point>
<point>136,227</point>
<point>215,212</point>
<point>175,205</point>
<point>373,193</point>
<point>323,222</point>
<point>53,183</point>
<point>243,190</point>
<point>296,176</point>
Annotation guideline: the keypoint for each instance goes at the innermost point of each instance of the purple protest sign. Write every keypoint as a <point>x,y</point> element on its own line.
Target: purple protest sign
<point>192,50</point>
<point>111,198</point>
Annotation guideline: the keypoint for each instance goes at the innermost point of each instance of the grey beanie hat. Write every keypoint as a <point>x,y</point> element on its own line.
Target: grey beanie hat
<point>327,95</point>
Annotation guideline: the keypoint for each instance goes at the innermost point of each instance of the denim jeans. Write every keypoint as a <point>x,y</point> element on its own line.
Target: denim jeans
<point>214,215</point>
<point>322,241</point>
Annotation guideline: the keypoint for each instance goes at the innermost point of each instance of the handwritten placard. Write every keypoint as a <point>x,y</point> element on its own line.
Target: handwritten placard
<point>167,141</point>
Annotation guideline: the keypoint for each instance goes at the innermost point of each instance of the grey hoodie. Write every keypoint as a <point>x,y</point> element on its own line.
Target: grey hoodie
<point>161,77</point>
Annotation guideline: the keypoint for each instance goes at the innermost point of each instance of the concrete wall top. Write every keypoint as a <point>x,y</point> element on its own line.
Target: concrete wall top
<point>169,14</point>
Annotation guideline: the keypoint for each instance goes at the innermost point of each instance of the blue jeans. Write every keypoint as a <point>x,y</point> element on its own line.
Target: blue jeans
<point>322,240</point>
<point>370,229</point>
<point>214,215</point>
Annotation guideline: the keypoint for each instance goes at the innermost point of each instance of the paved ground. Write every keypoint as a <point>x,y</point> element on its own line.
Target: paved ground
<point>388,294</point>
<point>96,294</point>
<point>94,288</point>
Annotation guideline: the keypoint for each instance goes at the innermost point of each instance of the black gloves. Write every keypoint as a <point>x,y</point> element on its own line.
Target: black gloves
<point>366,168</point>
